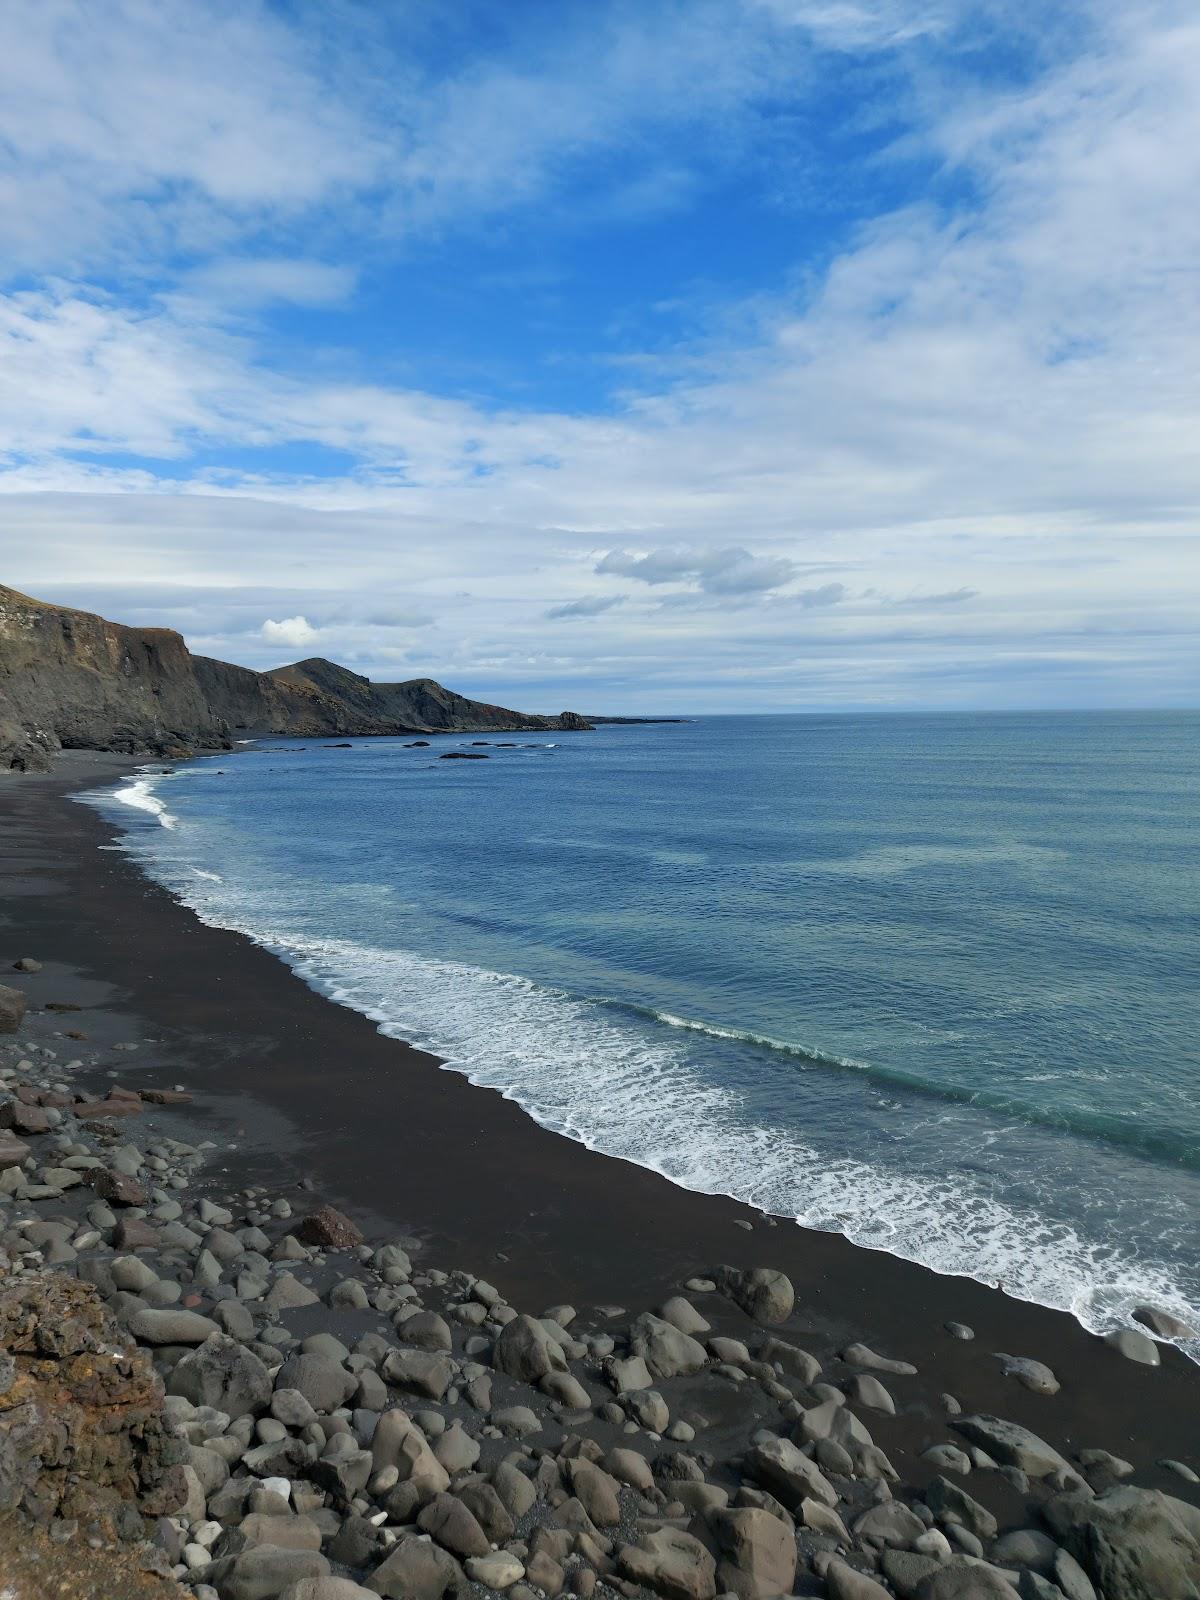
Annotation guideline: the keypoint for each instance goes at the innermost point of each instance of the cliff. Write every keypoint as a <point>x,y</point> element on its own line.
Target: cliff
<point>69,679</point>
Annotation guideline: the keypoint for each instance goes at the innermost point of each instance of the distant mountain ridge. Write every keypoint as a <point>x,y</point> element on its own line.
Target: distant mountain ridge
<point>71,679</point>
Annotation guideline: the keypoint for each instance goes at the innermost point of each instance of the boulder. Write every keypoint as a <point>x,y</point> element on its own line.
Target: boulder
<point>1134,1346</point>
<point>398,1442</point>
<point>326,1589</point>
<point>672,1563</point>
<point>328,1229</point>
<point>1134,1544</point>
<point>264,1571</point>
<point>757,1553</point>
<point>12,1008</point>
<point>416,1570</point>
<point>82,1430</point>
<point>525,1351</point>
<point>118,1188</point>
<point>965,1580</point>
<point>788,1473</point>
<point>667,1352</point>
<point>954,1507</point>
<point>171,1326</point>
<point>419,1372</point>
<point>323,1383</point>
<point>13,1152</point>
<point>1011,1445</point>
<point>1033,1375</point>
<point>848,1583</point>
<point>448,1520</point>
<point>762,1293</point>
<point>223,1374</point>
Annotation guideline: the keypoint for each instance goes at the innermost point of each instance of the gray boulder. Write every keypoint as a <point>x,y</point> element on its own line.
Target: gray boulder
<point>1011,1445</point>
<point>788,1473</point>
<point>417,1570</point>
<point>419,1372</point>
<point>1134,1544</point>
<point>762,1293</point>
<point>223,1374</point>
<point>264,1571</point>
<point>171,1327</point>
<point>667,1352</point>
<point>12,1008</point>
<point>965,1580</point>
<point>672,1563</point>
<point>525,1351</point>
<point>323,1384</point>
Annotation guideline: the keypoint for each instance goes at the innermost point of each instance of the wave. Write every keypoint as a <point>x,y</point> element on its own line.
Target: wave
<point>139,794</point>
<point>1109,1128</point>
<point>632,1087</point>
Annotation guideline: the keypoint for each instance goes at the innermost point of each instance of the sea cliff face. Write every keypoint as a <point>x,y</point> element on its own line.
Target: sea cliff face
<point>70,679</point>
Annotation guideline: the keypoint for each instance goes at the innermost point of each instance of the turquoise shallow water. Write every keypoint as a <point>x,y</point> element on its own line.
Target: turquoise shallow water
<point>928,981</point>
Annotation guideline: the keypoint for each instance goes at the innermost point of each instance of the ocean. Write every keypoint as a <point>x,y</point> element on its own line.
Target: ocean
<point>932,982</point>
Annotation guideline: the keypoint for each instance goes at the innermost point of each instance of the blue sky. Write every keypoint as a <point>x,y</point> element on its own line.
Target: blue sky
<point>742,354</point>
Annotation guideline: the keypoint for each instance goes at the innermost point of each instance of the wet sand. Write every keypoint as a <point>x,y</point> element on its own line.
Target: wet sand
<point>294,1087</point>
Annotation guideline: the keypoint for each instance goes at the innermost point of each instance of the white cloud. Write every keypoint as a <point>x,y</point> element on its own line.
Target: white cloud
<point>728,571</point>
<point>289,630</point>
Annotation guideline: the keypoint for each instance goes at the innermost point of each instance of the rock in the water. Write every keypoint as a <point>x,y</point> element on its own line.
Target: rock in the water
<point>672,1563</point>
<point>12,1008</point>
<point>1135,1544</point>
<point>329,1229</point>
<point>1012,1445</point>
<point>1163,1323</point>
<point>762,1293</point>
<point>1134,1346</point>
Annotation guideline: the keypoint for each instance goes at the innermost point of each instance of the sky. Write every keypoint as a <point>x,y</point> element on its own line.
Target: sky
<point>728,355</point>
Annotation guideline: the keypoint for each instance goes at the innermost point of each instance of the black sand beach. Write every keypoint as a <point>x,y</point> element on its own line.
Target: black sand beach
<point>293,1087</point>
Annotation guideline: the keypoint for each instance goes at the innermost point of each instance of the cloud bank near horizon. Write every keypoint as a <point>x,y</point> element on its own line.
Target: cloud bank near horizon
<point>743,355</point>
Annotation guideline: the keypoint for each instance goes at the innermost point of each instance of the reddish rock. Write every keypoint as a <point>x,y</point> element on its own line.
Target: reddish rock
<point>12,1152</point>
<point>132,1233</point>
<point>27,1094</point>
<point>118,1188</point>
<point>107,1108</point>
<point>117,1093</point>
<point>329,1229</point>
<point>166,1097</point>
<point>22,1118</point>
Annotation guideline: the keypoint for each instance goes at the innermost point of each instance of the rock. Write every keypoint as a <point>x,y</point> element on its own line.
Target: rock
<point>847,1583</point>
<point>891,1525</point>
<point>667,1352</point>
<point>323,1384</point>
<point>171,1327</point>
<point>27,964</point>
<point>12,1008</point>
<point>326,1589</point>
<point>566,1389</point>
<point>416,1570</point>
<point>425,1330</point>
<point>627,1466</point>
<point>1071,1578</point>
<point>762,1293</point>
<point>953,1506</point>
<point>906,1569</point>
<point>264,1571</point>
<point>1134,1544</point>
<point>419,1372</point>
<point>1180,1469</point>
<point>398,1442</point>
<point>791,1358</point>
<point>866,1390</point>
<point>82,1429</point>
<point>821,1519</point>
<point>627,1374</point>
<point>1163,1323</point>
<point>963,1580</point>
<point>789,1473</point>
<point>13,1152</point>
<point>489,1511</point>
<point>1134,1346</point>
<point>118,1188</point>
<point>328,1229</point>
<point>20,1118</point>
<point>758,1553</point>
<point>166,1097</point>
<point>682,1314</point>
<point>1026,1547</point>
<point>525,1351</point>
<point>960,1330</point>
<point>222,1374</point>
<point>456,1450</point>
<point>448,1521</point>
<point>595,1491</point>
<point>1012,1445</point>
<point>287,1293</point>
<point>672,1563</point>
<point>948,1458</point>
<point>1033,1375</point>
<point>861,1355</point>
<point>497,1570</point>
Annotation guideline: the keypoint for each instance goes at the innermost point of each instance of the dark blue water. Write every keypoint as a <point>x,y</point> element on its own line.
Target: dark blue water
<point>931,982</point>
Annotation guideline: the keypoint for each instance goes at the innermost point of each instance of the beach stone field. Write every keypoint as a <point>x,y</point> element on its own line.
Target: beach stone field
<point>236,1395</point>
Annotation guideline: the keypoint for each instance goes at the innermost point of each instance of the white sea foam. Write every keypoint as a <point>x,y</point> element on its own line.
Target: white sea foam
<point>139,794</point>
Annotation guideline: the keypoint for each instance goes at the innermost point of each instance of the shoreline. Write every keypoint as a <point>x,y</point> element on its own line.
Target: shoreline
<point>297,1083</point>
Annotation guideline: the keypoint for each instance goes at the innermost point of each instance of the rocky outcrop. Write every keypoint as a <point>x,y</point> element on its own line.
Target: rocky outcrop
<point>71,680</point>
<point>82,1433</point>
